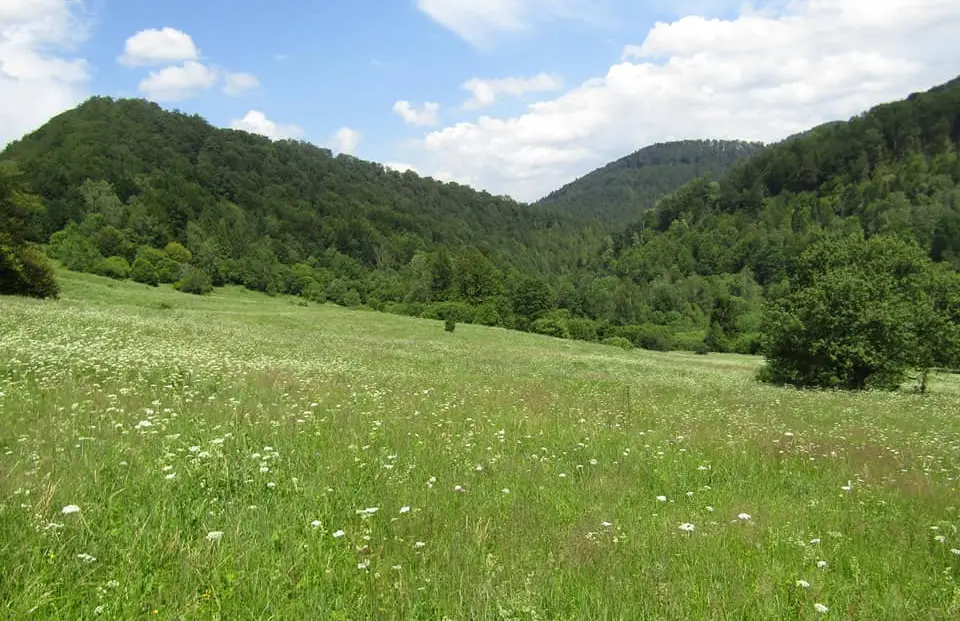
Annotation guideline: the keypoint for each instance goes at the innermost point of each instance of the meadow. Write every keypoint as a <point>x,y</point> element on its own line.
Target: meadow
<point>165,456</point>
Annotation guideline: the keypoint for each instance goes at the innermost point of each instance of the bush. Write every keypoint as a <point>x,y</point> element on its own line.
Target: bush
<point>701,349</point>
<point>582,329</point>
<point>114,267</point>
<point>194,281</point>
<point>647,336</point>
<point>178,253</point>
<point>551,326</point>
<point>26,271</point>
<point>168,270</point>
<point>450,324</point>
<point>144,272</point>
<point>618,341</point>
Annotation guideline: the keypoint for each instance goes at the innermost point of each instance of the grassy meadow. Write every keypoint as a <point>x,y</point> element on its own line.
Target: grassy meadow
<point>164,456</point>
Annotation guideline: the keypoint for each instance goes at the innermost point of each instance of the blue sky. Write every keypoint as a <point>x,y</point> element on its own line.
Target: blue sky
<point>558,87</point>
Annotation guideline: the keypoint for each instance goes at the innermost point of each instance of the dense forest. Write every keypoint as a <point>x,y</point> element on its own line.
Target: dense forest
<point>621,191</point>
<point>131,191</point>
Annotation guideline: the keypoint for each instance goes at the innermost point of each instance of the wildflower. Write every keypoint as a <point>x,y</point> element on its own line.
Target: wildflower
<point>86,558</point>
<point>338,534</point>
<point>315,523</point>
<point>687,527</point>
<point>70,509</point>
<point>215,535</point>
<point>940,539</point>
<point>419,545</point>
<point>594,462</point>
<point>458,488</point>
<point>170,476</point>
<point>505,490</point>
<point>363,565</point>
<point>143,424</point>
<point>709,508</point>
<point>821,564</point>
<point>814,542</point>
<point>803,584</point>
<point>821,608</point>
<point>113,584</point>
<point>955,551</point>
<point>744,516</point>
<point>606,524</point>
<point>397,567</point>
<point>662,498</point>
<point>848,486</point>
<point>404,509</point>
<point>98,610</point>
<point>271,485</point>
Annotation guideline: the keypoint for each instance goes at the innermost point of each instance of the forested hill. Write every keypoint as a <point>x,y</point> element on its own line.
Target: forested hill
<point>157,176</point>
<point>622,190</point>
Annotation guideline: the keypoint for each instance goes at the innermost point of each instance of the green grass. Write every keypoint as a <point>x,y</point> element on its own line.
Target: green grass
<point>275,424</point>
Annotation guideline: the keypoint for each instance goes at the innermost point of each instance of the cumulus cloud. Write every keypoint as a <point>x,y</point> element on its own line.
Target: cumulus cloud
<point>39,76</point>
<point>479,21</point>
<point>256,122</point>
<point>236,84</point>
<point>158,46</point>
<point>762,75</point>
<point>486,92</point>
<point>345,140</point>
<point>411,116</point>
<point>178,82</point>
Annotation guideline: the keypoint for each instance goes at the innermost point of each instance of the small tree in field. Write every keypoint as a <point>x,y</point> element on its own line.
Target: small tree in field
<point>24,270</point>
<point>861,313</point>
<point>450,324</point>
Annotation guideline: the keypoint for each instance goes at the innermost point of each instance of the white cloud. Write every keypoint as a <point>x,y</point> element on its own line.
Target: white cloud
<point>236,84</point>
<point>178,82</point>
<point>763,75</point>
<point>411,116</point>
<point>401,167</point>
<point>39,77</point>
<point>478,21</point>
<point>345,140</point>
<point>161,46</point>
<point>486,92</point>
<point>256,122</point>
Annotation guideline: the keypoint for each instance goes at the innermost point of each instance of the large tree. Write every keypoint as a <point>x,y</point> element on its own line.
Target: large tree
<point>23,268</point>
<point>860,313</point>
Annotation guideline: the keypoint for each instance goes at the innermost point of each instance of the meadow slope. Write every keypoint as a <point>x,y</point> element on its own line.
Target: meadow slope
<point>243,457</point>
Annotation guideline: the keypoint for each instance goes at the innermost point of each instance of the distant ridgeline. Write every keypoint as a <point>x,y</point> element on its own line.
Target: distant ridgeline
<point>621,191</point>
<point>131,191</point>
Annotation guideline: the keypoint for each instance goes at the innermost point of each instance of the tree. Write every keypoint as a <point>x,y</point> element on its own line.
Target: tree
<point>144,272</point>
<point>23,269</point>
<point>859,314</point>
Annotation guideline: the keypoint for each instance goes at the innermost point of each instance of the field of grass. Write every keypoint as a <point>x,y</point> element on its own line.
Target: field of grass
<point>241,457</point>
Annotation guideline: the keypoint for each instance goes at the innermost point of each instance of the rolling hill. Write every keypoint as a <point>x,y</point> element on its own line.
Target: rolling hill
<point>622,190</point>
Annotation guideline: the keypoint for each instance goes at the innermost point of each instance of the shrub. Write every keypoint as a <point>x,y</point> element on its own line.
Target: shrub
<point>618,341</point>
<point>450,324</point>
<point>582,329</point>
<point>178,253</point>
<point>26,271</point>
<point>144,272</point>
<point>701,349</point>
<point>168,270</point>
<point>113,267</point>
<point>194,281</point>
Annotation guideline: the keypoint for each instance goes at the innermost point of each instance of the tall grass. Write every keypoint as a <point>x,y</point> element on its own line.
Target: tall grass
<point>240,457</point>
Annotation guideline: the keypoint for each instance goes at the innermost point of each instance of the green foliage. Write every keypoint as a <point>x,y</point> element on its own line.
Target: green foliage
<point>553,324</point>
<point>168,270</point>
<point>144,272</point>
<point>450,324</point>
<point>177,252</point>
<point>194,281</point>
<point>23,269</point>
<point>621,191</point>
<point>618,341</point>
<point>582,329</point>
<point>860,313</point>
<point>113,267</point>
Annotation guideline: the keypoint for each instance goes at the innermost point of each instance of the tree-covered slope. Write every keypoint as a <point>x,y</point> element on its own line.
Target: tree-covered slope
<point>175,175</point>
<point>622,190</point>
<point>892,171</point>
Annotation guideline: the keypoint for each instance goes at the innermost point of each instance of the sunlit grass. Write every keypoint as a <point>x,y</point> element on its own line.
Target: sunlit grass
<point>227,453</point>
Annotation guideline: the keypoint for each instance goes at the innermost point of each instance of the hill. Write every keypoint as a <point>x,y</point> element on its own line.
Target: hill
<point>622,190</point>
<point>891,171</point>
<point>126,176</point>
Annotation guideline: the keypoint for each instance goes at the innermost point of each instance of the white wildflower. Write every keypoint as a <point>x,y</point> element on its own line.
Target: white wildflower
<point>687,527</point>
<point>215,535</point>
<point>821,608</point>
<point>70,509</point>
<point>803,584</point>
<point>338,534</point>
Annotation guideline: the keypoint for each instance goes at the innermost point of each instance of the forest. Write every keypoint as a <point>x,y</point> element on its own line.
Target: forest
<point>678,246</point>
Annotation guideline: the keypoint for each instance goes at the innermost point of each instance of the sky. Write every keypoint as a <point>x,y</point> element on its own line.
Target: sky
<point>516,97</point>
